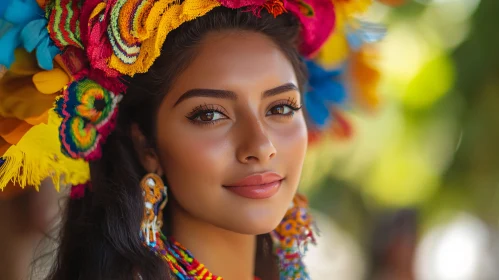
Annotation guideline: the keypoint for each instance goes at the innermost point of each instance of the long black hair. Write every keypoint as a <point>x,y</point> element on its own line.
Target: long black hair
<point>100,234</point>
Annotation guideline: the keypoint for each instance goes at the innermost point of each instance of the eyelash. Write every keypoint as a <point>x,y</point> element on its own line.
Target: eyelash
<point>203,109</point>
<point>291,103</point>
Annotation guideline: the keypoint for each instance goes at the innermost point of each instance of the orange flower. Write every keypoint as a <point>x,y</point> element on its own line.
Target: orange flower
<point>275,7</point>
<point>365,77</point>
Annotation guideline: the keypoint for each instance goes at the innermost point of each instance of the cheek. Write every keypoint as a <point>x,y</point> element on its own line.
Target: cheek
<point>291,146</point>
<point>193,159</point>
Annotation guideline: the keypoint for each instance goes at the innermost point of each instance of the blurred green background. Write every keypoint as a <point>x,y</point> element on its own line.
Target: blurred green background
<point>415,193</point>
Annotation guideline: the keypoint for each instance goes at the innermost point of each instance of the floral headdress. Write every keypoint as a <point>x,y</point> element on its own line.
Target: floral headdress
<point>62,64</point>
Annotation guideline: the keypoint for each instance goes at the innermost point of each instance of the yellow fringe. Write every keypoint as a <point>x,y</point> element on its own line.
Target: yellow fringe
<point>38,156</point>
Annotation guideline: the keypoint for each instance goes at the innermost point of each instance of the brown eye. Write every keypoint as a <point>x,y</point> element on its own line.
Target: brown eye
<point>280,110</point>
<point>207,116</point>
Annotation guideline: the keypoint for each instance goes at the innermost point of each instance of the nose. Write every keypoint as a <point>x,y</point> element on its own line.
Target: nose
<point>255,145</point>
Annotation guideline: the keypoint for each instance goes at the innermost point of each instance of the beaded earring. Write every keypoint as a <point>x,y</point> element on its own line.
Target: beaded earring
<point>291,238</point>
<point>155,196</point>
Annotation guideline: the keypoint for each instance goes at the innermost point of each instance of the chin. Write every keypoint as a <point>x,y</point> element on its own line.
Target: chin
<point>255,224</point>
<point>251,229</point>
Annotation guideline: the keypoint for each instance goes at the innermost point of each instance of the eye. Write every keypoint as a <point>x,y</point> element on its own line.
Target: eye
<point>281,110</point>
<point>209,116</point>
<point>284,108</point>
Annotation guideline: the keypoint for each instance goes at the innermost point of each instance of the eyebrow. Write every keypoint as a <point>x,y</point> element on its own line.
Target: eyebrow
<point>214,93</point>
<point>227,94</point>
<point>280,89</point>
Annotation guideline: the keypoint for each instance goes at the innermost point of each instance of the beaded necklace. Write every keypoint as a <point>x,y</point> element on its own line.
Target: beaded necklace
<point>290,240</point>
<point>180,260</point>
<point>183,264</point>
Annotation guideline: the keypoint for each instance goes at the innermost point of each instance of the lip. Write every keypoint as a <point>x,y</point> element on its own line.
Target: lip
<point>257,186</point>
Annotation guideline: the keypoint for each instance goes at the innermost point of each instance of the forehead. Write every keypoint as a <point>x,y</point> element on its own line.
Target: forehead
<point>239,61</point>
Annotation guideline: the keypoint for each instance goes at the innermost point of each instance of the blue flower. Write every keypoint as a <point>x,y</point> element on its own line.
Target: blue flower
<point>325,89</point>
<point>23,24</point>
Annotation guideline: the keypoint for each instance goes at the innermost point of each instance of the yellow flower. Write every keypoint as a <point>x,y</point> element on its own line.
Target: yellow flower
<point>336,49</point>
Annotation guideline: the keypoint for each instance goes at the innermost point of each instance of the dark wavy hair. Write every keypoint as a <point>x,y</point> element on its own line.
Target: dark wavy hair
<point>99,238</point>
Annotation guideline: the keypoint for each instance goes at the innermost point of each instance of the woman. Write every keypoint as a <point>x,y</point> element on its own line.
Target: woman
<point>218,118</point>
<point>197,174</point>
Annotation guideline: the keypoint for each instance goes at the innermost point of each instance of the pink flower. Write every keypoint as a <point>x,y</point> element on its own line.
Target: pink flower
<point>318,19</point>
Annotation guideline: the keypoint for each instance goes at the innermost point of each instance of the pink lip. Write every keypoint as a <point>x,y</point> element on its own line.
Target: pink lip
<point>258,186</point>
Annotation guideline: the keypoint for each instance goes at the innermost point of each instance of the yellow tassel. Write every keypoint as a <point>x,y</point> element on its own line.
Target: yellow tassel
<point>38,156</point>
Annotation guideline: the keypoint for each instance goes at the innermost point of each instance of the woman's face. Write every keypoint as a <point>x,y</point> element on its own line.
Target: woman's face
<point>233,113</point>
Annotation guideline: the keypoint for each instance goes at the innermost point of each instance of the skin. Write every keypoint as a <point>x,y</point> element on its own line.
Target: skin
<point>254,133</point>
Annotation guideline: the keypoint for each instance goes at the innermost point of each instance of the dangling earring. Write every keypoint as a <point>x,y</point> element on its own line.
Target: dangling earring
<point>155,196</point>
<point>291,238</point>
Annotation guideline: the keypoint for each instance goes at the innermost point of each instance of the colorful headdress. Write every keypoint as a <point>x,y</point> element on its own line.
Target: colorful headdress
<point>64,61</point>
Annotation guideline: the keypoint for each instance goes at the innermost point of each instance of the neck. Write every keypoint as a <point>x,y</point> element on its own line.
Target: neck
<point>224,253</point>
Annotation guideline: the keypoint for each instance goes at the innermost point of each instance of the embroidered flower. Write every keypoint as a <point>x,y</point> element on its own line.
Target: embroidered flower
<point>325,91</point>
<point>275,7</point>
<point>27,29</point>
<point>89,114</point>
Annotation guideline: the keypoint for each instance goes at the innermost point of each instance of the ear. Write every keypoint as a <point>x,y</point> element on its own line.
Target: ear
<point>145,152</point>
